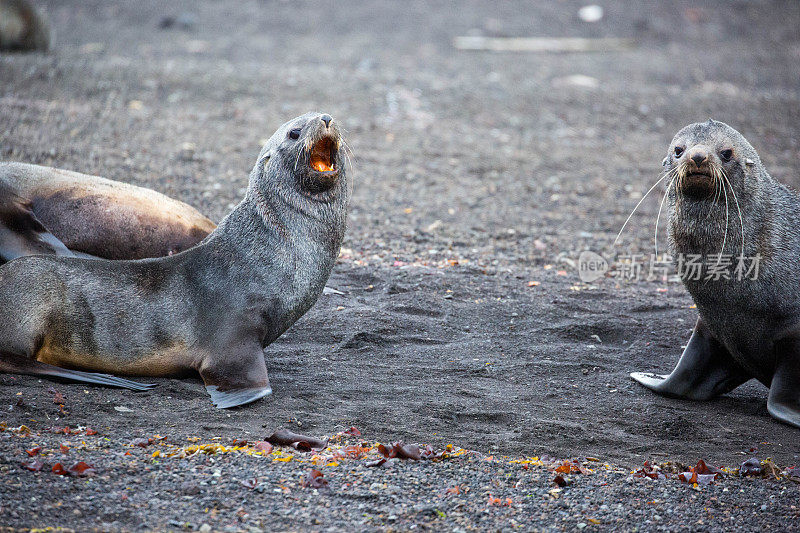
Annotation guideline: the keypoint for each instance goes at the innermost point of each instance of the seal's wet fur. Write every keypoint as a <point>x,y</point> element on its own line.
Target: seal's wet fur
<point>210,309</point>
<point>747,328</point>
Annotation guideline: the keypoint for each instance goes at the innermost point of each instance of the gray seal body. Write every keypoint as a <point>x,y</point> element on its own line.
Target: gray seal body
<point>210,309</point>
<point>728,211</point>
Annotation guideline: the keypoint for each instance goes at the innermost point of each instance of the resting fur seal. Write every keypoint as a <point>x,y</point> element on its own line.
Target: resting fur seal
<point>22,27</point>
<point>725,207</point>
<point>212,308</point>
<point>52,211</point>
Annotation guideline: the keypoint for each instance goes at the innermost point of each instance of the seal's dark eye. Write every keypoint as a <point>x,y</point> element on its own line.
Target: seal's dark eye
<point>726,154</point>
<point>294,134</point>
<point>678,151</point>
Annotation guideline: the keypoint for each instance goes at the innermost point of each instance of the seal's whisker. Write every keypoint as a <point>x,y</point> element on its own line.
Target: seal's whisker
<point>681,172</point>
<point>724,235</point>
<point>348,152</point>
<point>658,216</point>
<point>738,209</point>
<point>348,149</point>
<point>717,195</point>
<point>638,204</point>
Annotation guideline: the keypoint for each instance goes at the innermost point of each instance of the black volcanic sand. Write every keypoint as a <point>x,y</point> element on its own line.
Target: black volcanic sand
<point>479,178</point>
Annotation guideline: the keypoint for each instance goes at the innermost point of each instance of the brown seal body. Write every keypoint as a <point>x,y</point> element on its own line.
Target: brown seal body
<point>47,210</point>
<point>740,229</point>
<point>210,309</point>
<point>22,27</point>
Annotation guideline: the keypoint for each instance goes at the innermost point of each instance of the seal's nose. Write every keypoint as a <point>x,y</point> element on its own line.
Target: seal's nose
<point>699,156</point>
<point>327,119</point>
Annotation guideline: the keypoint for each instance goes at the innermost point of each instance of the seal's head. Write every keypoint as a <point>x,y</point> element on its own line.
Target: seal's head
<point>717,187</point>
<point>709,159</point>
<point>305,155</point>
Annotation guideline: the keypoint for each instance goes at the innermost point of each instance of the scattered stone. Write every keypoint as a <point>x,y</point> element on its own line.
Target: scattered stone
<point>591,13</point>
<point>183,21</point>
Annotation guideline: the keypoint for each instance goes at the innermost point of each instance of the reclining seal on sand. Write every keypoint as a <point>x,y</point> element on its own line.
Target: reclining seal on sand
<point>49,211</point>
<point>725,207</point>
<point>210,309</point>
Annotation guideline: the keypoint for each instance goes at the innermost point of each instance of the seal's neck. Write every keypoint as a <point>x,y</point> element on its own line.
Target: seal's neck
<point>301,219</point>
<point>268,225</point>
<point>282,255</point>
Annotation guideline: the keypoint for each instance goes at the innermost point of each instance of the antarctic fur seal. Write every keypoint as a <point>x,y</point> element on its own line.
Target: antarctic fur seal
<point>51,211</point>
<point>726,210</point>
<point>210,309</point>
<point>22,27</point>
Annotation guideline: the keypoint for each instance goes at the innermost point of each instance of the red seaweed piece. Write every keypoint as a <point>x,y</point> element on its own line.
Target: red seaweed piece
<point>303,443</point>
<point>34,451</point>
<point>751,467</point>
<point>34,465</point>
<point>401,451</point>
<point>263,446</point>
<point>251,483</point>
<point>702,474</point>
<point>81,469</point>
<point>314,479</point>
<point>648,470</point>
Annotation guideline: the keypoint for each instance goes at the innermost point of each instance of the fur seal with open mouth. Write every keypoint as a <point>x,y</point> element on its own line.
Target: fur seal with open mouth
<point>212,308</point>
<point>726,210</point>
<point>49,211</point>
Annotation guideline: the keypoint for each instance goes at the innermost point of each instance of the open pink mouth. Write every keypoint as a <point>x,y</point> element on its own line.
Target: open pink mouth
<point>322,156</point>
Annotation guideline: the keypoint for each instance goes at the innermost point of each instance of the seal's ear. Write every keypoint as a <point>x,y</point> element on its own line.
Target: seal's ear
<point>263,162</point>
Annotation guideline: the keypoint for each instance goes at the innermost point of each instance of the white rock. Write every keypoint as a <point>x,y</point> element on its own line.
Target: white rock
<point>590,13</point>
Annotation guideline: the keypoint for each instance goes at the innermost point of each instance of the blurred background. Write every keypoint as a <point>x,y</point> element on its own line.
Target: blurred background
<point>504,159</point>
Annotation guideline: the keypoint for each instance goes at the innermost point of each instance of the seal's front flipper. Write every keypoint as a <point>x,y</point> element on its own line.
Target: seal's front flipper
<point>784,391</point>
<point>21,233</point>
<point>37,368</point>
<point>236,379</point>
<point>705,370</point>
<point>224,399</point>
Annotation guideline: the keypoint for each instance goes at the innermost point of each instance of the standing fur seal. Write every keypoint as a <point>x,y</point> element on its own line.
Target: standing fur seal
<point>726,208</point>
<point>212,308</point>
<point>52,211</point>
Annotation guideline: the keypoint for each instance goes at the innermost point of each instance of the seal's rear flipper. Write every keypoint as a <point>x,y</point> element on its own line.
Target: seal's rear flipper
<point>233,397</point>
<point>21,233</point>
<point>37,368</point>
<point>705,370</point>
<point>784,391</point>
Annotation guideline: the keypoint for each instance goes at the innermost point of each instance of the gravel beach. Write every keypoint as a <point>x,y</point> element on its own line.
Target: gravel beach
<point>462,324</point>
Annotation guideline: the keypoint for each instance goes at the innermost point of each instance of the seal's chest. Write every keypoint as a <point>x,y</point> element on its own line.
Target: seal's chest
<point>748,337</point>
